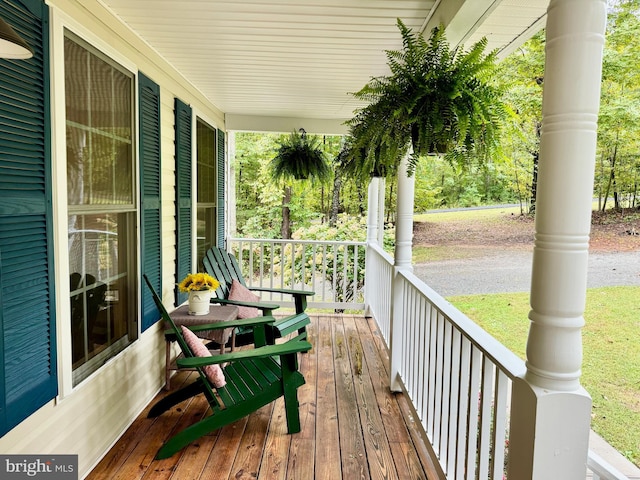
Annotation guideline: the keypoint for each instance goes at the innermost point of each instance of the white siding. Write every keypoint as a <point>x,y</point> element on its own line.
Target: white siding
<point>87,420</point>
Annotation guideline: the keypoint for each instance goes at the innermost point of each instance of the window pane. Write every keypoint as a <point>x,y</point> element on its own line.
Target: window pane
<point>99,129</point>
<point>206,172</point>
<point>206,163</point>
<point>100,266</point>
<point>206,230</point>
<point>100,177</point>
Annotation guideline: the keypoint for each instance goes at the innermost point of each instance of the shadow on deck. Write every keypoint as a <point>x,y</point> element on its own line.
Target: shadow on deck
<point>352,425</point>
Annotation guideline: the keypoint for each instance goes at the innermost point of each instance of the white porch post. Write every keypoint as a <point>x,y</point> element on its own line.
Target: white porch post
<point>372,238</point>
<point>402,261</point>
<point>372,214</point>
<point>550,410</point>
<point>381,198</point>
<point>231,186</point>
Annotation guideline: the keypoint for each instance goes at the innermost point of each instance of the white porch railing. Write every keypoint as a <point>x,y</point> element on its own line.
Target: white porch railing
<point>459,381</point>
<point>334,270</point>
<point>456,376</point>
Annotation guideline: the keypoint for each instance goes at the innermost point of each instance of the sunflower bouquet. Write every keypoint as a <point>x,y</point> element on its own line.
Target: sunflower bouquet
<point>197,282</point>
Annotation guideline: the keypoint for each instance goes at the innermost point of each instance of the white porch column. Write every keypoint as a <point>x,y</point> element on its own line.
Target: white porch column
<point>402,261</point>
<point>404,219</point>
<point>381,198</point>
<point>372,213</point>
<point>372,238</point>
<point>550,410</point>
<point>231,186</point>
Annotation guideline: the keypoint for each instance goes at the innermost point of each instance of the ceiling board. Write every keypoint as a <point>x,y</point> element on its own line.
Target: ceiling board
<point>300,59</point>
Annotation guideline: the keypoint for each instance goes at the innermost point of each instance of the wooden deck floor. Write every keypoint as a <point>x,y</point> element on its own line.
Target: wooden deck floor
<point>353,427</point>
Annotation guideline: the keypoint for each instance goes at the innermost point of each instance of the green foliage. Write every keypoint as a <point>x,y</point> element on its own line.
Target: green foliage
<point>442,184</point>
<point>300,156</point>
<point>618,168</point>
<point>435,100</point>
<point>523,74</point>
<point>259,202</point>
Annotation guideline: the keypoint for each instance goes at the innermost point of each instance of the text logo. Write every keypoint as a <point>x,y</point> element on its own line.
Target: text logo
<point>50,467</point>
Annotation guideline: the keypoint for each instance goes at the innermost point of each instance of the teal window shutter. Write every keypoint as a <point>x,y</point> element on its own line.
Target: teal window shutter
<point>28,375</point>
<point>184,167</point>
<point>150,185</point>
<point>221,187</point>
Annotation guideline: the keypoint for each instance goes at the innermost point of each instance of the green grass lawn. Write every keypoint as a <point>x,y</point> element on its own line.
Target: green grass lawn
<point>611,353</point>
<point>486,215</point>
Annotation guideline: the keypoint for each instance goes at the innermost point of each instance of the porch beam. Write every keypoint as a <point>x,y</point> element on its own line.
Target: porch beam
<point>460,18</point>
<point>257,123</point>
<point>550,410</point>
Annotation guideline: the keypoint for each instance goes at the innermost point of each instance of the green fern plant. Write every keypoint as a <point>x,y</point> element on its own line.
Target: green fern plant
<point>435,101</point>
<point>301,157</point>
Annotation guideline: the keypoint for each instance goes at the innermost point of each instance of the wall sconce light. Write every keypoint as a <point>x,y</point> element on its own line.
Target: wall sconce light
<point>12,45</point>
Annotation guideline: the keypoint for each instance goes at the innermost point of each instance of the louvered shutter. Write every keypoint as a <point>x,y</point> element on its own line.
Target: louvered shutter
<point>184,257</point>
<point>28,377</point>
<point>150,184</point>
<point>221,187</point>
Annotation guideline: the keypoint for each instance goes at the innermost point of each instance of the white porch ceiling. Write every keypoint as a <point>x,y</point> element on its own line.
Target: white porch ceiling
<point>263,60</point>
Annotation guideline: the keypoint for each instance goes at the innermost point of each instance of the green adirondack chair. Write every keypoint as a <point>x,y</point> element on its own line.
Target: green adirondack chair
<point>224,267</point>
<point>254,378</point>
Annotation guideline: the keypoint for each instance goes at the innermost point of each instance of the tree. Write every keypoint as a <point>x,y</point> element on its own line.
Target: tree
<point>523,71</point>
<point>619,119</point>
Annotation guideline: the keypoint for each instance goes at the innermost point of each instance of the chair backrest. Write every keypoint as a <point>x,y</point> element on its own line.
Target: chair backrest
<point>224,267</point>
<point>178,333</point>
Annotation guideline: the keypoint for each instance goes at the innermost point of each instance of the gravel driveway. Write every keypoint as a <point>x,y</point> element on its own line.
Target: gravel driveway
<point>510,271</point>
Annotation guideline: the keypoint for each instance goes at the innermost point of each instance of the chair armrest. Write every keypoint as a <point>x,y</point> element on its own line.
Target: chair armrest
<point>169,334</point>
<point>299,296</point>
<point>265,307</point>
<point>283,290</point>
<point>261,352</point>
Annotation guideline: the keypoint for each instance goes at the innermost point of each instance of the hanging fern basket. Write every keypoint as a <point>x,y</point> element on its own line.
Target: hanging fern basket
<point>301,157</point>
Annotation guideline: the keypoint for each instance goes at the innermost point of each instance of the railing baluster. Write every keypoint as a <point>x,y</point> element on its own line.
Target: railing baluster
<point>463,407</point>
<point>314,252</point>
<point>433,379</point>
<point>499,423</point>
<point>454,402</point>
<point>486,405</point>
<point>474,411</point>
<point>446,391</point>
<point>421,342</point>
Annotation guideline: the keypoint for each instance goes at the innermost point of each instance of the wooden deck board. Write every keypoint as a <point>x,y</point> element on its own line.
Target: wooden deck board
<point>353,426</point>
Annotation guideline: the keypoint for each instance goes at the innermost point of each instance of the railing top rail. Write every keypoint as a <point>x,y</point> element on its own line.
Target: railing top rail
<point>512,365</point>
<point>280,240</point>
<point>379,250</point>
<point>602,468</point>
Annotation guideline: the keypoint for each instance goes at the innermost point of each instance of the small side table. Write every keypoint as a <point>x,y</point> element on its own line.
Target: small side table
<point>217,313</point>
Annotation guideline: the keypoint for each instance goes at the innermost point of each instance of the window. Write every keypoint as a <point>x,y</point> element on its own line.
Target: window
<point>102,206</point>
<point>206,174</point>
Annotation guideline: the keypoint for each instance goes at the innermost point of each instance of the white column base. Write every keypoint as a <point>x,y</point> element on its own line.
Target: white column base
<point>549,436</point>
